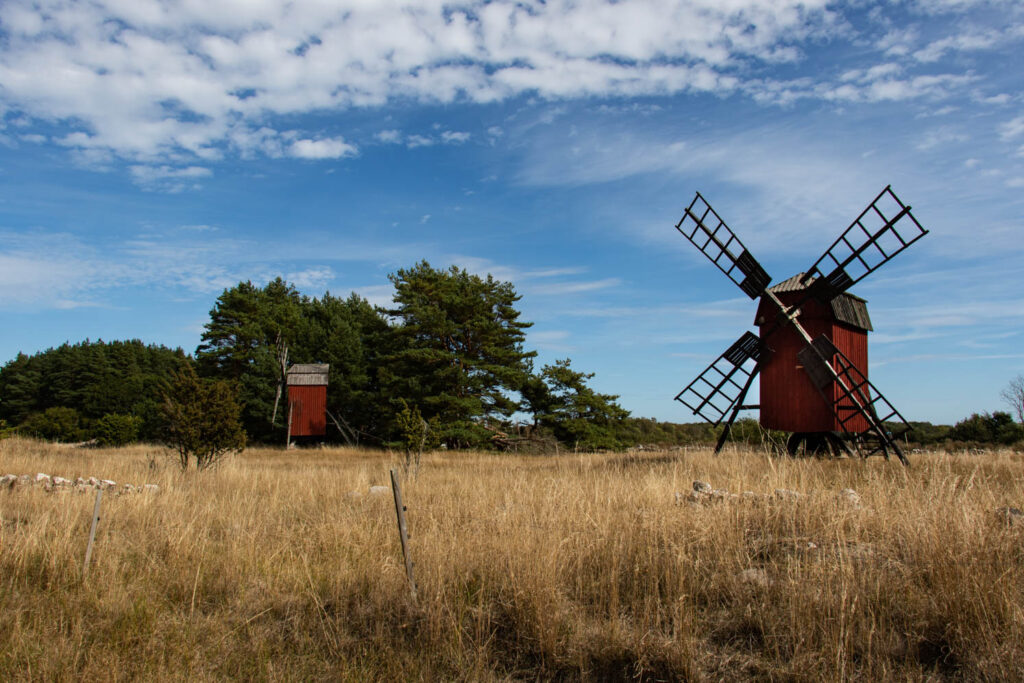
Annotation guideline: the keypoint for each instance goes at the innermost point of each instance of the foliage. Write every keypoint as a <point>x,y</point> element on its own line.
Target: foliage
<point>459,353</point>
<point>575,413</point>
<point>92,378</point>
<point>58,423</point>
<point>202,419</point>
<point>117,430</point>
<point>1013,395</point>
<point>987,428</point>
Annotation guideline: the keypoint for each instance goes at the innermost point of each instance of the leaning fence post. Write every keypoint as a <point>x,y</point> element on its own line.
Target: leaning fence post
<point>402,531</point>
<point>92,531</point>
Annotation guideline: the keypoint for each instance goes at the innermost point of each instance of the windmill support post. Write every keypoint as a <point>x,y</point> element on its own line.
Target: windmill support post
<point>736,411</point>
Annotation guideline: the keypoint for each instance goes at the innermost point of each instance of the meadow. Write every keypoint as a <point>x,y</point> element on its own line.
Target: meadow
<point>575,567</point>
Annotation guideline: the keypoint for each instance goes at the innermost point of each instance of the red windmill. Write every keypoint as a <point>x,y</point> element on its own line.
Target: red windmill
<point>812,348</point>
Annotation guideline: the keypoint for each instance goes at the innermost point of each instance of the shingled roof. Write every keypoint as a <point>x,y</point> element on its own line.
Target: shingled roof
<point>846,307</point>
<point>309,374</point>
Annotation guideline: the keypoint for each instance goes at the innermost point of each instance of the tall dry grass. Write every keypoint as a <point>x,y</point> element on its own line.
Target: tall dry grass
<point>570,567</point>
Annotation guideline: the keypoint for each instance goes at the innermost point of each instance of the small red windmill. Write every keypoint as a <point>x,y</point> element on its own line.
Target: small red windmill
<point>812,349</point>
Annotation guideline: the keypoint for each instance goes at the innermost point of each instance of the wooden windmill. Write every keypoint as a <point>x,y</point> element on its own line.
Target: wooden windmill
<point>811,350</point>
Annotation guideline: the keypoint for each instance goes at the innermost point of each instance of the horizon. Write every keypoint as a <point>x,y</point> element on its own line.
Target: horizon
<point>154,155</point>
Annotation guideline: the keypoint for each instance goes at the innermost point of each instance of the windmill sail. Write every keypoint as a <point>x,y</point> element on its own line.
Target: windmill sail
<point>871,241</point>
<point>723,384</point>
<point>708,232</point>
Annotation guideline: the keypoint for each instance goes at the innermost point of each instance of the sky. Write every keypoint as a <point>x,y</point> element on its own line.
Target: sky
<point>154,153</point>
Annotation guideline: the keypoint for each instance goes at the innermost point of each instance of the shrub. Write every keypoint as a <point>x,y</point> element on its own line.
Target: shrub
<point>117,430</point>
<point>202,419</point>
<point>54,424</point>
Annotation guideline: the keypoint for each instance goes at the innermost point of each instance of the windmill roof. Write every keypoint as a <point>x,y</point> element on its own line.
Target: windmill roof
<point>308,374</point>
<point>847,308</point>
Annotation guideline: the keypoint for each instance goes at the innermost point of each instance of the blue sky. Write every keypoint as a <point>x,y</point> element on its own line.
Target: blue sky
<point>153,153</point>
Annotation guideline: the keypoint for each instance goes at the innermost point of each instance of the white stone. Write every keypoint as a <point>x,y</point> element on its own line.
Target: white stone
<point>754,577</point>
<point>61,481</point>
<point>850,497</point>
<point>107,483</point>
<point>378,490</point>
<point>42,478</point>
<point>7,481</point>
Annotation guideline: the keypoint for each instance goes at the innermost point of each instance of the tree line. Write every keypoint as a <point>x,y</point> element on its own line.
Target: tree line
<point>446,364</point>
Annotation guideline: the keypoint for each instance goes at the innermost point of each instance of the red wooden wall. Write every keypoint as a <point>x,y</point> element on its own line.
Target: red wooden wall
<point>308,405</point>
<point>789,401</point>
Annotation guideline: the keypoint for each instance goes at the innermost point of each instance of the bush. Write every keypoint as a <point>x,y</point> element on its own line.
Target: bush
<point>117,430</point>
<point>54,424</point>
<point>202,419</point>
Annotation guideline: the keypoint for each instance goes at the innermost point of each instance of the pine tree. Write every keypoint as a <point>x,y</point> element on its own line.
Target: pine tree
<point>460,349</point>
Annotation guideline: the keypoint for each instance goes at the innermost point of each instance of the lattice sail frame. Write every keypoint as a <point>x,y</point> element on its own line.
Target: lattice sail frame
<point>871,241</point>
<point>709,233</point>
<point>723,384</point>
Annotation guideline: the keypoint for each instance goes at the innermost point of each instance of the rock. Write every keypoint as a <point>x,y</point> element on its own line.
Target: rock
<point>750,495</point>
<point>379,490</point>
<point>754,577</point>
<point>150,488</point>
<point>94,482</point>
<point>81,482</point>
<point>7,481</point>
<point>24,480</point>
<point>43,478</point>
<point>786,494</point>
<point>701,486</point>
<point>1010,516</point>
<point>61,481</point>
<point>107,483</point>
<point>850,497</point>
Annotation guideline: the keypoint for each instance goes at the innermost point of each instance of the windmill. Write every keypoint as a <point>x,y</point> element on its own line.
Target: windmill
<point>811,350</point>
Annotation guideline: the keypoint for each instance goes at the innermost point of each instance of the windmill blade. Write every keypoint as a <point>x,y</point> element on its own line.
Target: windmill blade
<point>723,384</point>
<point>853,399</point>
<point>708,232</point>
<point>870,241</point>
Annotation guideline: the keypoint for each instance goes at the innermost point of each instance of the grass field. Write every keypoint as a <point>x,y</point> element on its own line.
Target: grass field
<point>569,567</point>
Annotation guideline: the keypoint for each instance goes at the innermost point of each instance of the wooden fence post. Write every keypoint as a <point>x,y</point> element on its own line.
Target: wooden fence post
<point>403,532</point>
<point>92,531</point>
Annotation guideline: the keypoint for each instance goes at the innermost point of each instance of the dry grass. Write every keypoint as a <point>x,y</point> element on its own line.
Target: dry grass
<point>576,567</point>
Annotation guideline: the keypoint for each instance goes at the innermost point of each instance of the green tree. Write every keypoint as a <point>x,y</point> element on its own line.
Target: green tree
<point>202,420</point>
<point>459,351</point>
<point>991,428</point>
<point>92,378</point>
<point>117,430</point>
<point>58,423</point>
<point>577,414</point>
<point>240,343</point>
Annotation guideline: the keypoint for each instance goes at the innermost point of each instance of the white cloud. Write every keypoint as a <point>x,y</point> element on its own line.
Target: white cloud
<point>152,82</point>
<point>168,178</point>
<point>328,148</point>
<point>1013,128</point>
<point>450,137</point>
<point>389,136</point>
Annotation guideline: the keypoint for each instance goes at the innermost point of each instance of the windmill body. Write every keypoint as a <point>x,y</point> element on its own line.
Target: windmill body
<point>789,400</point>
<point>811,349</point>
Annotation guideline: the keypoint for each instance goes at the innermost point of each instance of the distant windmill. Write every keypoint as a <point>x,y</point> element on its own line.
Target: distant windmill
<point>811,352</point>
